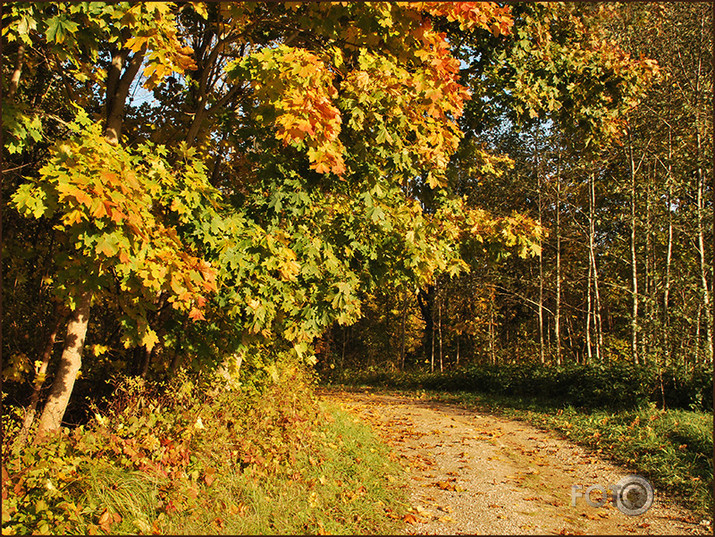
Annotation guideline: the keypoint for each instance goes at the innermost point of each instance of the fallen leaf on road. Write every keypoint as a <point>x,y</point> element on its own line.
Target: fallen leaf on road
<point>410,519</point>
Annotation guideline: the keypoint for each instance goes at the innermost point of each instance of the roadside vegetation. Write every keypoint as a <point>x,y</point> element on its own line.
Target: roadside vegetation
<point>204,455</point>
<point>616,411</point>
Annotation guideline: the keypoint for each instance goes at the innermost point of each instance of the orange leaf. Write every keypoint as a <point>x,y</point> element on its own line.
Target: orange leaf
<point>196,315</point>
<point>118,216</point>
<point>210,476</point>
<point>105,521</point>
<point>410,518</point>
<point>100,211</point>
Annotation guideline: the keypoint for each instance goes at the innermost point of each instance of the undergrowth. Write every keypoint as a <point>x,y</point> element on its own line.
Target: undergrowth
<point>615,385</point>
<point>204,456</point>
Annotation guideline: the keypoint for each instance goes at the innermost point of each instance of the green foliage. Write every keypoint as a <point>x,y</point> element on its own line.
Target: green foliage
<point>619,385</point>
<point>107,200</point>
<point>287,200</point>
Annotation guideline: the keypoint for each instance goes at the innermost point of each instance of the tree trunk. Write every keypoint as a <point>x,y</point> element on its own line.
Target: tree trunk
<point>17,73</point>
<point>634,260</point>
<point>457,363</point>
<point>439,324</point>
<point>431,361</point>
<point>342,354</point>
<point>669,253</point>
<point>696,356</point>
<point>599,317</point>
<point>589,282</point>
<point>118,85</point>
<point>542,358</point>
<point>701,199</point>
<point>557,316</point>
<point>703,260</point>
<point>492,334</point>
<point>648,345</point>
<point>46,355</point>
<point>425,301</point>
<point>589,311</point>
<point>70,364</point>
<point>403,324</point>
<point>596,306</point>
<point>146,361</point>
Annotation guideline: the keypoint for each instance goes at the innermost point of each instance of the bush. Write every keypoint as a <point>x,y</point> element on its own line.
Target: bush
<point>201,452</point>
<point>614,385</point>
<point>688,390</point>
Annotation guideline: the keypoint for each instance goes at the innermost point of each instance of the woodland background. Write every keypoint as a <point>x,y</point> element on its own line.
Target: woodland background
<point>237,190</point>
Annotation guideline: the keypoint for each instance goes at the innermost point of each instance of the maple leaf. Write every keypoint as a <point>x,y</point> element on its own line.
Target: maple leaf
<point>149,339</point>
<point>106,247</point>
<point>196,315</point>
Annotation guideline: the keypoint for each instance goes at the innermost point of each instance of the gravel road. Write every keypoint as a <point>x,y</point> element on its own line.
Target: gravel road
<point>475,473</point>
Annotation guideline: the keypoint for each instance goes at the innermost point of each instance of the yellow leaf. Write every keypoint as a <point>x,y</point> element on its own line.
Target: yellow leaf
<point>150,339</point>
<point>98,349</point>
<point>135,44</point>
<point>72,217</point>
<point>200,8</point>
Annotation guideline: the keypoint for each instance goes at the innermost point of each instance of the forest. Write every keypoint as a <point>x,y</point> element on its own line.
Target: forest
<point>241,193</point>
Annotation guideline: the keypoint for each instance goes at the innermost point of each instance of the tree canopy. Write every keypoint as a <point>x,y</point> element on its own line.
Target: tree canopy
<point>225,181</point>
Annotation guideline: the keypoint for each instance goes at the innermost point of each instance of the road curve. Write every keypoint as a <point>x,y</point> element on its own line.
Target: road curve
<point>472,472</point>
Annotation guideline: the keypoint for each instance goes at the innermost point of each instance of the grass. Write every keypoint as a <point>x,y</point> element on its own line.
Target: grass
<point>202,458</point>
<point>342,481</point>
<point>133,494</point>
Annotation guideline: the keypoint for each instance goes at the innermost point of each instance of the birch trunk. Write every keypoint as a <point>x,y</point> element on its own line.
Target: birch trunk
<point>557,315</point>
<point>634,260</point>
<point>542,357</point>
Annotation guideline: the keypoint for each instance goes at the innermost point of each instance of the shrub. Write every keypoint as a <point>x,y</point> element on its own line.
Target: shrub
<point>613,385</point>
<point>201,451</point>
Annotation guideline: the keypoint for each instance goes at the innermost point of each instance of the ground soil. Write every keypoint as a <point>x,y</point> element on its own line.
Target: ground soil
<point>471,472</point>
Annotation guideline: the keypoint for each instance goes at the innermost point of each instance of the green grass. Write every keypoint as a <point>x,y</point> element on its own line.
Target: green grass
<point>134,495</point>
<point>202,458</point>
<point>342,481</point>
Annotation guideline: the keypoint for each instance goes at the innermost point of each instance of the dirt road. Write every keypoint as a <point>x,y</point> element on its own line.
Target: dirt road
<point>473,472</point>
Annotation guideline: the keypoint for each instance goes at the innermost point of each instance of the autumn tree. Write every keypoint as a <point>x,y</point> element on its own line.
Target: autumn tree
<point>272,177</point>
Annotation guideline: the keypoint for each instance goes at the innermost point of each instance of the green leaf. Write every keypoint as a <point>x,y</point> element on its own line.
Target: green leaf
<point>58,28</point>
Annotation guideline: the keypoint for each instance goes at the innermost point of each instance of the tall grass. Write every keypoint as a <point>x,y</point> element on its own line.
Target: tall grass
<point>337,483</point>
